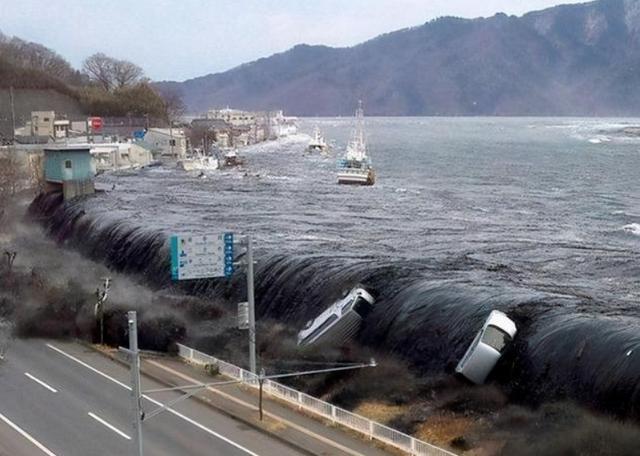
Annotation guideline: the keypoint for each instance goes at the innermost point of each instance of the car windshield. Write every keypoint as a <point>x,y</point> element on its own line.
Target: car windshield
<point>496,338</point>
<point>361,306</point>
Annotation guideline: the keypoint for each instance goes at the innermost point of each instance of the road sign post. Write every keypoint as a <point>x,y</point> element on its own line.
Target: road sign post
<point>206,256</point>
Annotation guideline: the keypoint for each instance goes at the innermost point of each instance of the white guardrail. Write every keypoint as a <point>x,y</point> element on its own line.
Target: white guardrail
<point>300,400</point>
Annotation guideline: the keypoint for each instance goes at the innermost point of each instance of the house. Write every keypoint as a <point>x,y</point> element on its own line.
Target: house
<point>61,128</point>
<point>204,132</point>
<point>69,169</point>
<point>42,126</point>
<point>281,125</point>
<point>42,123</point>
<point>169,142</point>
<point>125,155</point>
<point>233,117</point>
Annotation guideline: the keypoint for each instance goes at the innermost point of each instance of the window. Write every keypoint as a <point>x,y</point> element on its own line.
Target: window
<point>362,306</point>
<point>496,338</point>
<point>46,119</point>
<point>68,164</point>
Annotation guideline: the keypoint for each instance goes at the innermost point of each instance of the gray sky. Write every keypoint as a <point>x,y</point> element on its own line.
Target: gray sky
<point>181,39</point>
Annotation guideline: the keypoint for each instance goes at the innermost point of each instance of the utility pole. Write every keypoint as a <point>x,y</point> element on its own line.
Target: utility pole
<point>135,381</point>
<point>252,307</point>
<point>171,141</point>
<point>99,309</point>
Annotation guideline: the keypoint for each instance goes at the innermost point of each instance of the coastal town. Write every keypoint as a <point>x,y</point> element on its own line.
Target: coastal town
<point>280,230</point>
<point>117,143</point>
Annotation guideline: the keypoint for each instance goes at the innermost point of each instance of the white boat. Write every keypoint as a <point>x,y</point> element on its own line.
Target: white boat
<point>317,143</point>
<point>356,168</point>
<point>340,322</point>
<point>231,158</point>
<point>199,162</point>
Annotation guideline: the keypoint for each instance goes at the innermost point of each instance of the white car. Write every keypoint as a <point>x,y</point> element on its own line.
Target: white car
<point>340,322</point>
<point>486,349</point>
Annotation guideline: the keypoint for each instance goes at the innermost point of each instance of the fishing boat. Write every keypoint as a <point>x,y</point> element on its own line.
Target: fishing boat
<point>356,168</point>
<point>231,158</point>
<point>317,143</point>
<point>199,162</point>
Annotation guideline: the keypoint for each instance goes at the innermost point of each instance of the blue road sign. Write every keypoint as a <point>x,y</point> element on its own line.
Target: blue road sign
<point>228,254</point>
<point>201,256</point>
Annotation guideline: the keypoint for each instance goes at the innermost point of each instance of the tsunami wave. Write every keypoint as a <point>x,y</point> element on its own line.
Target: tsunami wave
<point>425,313</point>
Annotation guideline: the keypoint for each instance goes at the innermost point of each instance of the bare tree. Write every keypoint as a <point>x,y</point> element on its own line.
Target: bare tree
<point>36,172</point>
<point>99,68</point>
<point>11,177</point>
<point>126,73</point>
<point>174,105</point>
<point>36,56</point>
<point>11,257</point>
<point>111,73</point>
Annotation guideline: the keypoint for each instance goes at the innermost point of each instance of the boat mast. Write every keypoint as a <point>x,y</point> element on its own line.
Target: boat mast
<point>359,137</point>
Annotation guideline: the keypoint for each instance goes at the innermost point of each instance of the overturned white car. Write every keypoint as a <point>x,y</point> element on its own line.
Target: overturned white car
<point>486,349</point>
<point>340,322</point>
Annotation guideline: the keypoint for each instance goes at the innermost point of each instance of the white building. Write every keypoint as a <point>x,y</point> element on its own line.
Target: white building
<point>113,156</point>
<point>61,128</point>
<point>233,117</point>
<point>42,123</point>
<point>169,142</point>
<point>282,125</point>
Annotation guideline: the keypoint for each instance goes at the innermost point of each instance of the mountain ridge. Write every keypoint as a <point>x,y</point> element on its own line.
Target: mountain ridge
<point>578,59</point>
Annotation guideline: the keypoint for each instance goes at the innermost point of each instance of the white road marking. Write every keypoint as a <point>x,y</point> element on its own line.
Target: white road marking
<point>110,426</point>
<point>150,399</point>
<point>274,416</point>
<point>26,435</point>
<point>41,383</point>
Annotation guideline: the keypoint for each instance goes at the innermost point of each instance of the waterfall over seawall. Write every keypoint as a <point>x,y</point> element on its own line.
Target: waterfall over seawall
<point>565,347</point>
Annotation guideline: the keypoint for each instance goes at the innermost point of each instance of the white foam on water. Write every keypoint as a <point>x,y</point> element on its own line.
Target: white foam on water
<point>633,228</point>
<point>599,139</point>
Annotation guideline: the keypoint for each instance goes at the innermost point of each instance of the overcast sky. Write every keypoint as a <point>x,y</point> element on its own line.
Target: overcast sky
<point>181,39</point>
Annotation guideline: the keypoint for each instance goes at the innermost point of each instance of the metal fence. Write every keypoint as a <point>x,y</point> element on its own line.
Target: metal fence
<point>330,412</point>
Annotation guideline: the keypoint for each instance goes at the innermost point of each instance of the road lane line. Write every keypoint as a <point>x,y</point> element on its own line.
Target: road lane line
<point>26,435</point>
<point>152,400</point>
<point>274,416</point>
<point>41,383</point>
<point>110,426</point>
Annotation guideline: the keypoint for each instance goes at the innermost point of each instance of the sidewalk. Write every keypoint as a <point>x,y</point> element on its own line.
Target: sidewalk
<point>240,402</point>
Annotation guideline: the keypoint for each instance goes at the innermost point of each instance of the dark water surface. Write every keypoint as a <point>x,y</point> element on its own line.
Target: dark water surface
<point>537,217</point>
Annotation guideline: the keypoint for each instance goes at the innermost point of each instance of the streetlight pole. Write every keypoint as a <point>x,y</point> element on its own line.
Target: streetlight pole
<point>135,381</point>
<point>252,308</point>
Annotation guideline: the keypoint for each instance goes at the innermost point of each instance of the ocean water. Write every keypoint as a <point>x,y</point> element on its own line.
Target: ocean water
<point>538,217</point>
<point>537,199</point>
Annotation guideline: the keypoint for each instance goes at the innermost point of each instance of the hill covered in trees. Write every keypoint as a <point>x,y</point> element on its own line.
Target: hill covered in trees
<point>581,59</point>
<point>103,87</point>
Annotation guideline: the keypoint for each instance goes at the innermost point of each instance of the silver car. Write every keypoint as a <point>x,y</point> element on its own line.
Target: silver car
<point>486,349</point>
<point>340,322</point>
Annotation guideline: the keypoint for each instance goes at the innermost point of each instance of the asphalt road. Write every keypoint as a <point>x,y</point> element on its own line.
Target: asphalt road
<point>62,399</point>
